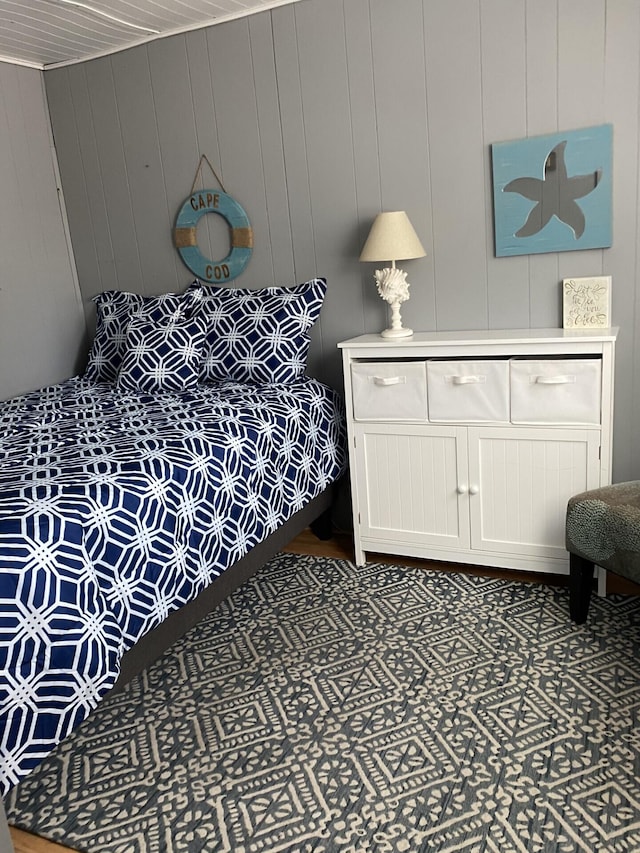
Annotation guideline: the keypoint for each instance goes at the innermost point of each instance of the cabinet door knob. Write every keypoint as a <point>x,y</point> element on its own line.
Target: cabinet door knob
<point>473,490</point>
<point>462,489</point>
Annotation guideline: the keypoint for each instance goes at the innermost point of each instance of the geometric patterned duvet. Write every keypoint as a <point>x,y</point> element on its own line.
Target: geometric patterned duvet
<point>118,507</point>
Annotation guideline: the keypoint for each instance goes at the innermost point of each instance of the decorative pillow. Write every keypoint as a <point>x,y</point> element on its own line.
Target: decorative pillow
<point>161,356</point>
<point>258,335</point>
<point>115,309</point>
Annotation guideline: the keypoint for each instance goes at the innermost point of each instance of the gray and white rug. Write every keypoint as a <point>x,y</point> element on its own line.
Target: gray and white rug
<point>329,709</point>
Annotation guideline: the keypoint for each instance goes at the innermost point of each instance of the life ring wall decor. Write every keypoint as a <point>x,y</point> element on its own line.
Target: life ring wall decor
<point>186,236</point>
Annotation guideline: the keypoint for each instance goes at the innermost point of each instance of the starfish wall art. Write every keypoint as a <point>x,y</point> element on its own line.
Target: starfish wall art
<point>553,193</point>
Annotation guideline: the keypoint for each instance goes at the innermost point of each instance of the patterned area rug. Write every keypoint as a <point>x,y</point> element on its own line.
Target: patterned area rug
<point>332,709</point>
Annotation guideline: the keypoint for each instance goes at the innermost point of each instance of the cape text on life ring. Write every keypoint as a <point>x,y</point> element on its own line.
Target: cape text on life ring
<point>185,235</point>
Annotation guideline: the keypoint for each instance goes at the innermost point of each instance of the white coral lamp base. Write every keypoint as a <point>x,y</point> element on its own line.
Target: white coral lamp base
<point>396,329</point>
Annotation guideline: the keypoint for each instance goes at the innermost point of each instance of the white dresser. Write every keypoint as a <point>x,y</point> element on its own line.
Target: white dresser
<point>466,446</point>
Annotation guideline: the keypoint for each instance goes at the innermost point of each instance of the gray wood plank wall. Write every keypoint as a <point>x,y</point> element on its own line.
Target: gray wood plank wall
<point>42,325</point>
<point>318,115</point>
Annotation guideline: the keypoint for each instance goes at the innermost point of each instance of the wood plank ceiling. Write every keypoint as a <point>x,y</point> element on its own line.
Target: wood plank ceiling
<point>50,33</point>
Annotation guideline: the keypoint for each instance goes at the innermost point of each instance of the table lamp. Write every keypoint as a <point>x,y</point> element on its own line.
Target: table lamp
<point>392,238</point>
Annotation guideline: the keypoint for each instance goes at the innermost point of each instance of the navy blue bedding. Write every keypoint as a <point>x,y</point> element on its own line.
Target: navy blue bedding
<point>115,509</point>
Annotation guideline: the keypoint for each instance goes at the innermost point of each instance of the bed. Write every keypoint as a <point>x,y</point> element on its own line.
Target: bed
<point>133,499</point>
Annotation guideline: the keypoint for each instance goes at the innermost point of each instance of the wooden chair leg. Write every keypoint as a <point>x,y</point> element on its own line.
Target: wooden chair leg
<point>580,582</point>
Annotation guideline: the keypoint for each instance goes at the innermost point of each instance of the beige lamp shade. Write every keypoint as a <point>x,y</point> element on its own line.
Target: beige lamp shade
<point>392,238</point>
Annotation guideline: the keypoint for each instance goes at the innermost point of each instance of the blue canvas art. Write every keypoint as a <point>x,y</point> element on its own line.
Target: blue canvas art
<point>553,193</point>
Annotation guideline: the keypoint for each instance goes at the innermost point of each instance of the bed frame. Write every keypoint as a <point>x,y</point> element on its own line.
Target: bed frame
<point>316,515</point>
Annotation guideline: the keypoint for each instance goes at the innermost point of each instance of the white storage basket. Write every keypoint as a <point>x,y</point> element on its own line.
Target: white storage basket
<point>556,391</point>
<point>389,391</point>
<point>468,391</point>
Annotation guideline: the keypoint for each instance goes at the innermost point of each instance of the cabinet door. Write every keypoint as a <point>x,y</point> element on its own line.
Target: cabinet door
<point>408,477</point>
<point>520,480</point>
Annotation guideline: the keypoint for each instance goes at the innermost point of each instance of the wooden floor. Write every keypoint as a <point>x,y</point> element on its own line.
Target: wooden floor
<point>341,547</point>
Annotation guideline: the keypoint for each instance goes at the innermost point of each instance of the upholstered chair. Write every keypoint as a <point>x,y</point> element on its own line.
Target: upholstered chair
<point>602,528</point>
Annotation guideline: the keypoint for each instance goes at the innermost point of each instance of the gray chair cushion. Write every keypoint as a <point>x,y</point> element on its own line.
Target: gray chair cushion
<point>603,526</point>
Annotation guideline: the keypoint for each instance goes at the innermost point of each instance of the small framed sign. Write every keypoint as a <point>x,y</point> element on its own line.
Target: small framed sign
<point>586,302</point>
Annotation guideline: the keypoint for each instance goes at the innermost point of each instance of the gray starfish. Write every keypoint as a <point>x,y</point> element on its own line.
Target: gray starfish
<point>555,195</point>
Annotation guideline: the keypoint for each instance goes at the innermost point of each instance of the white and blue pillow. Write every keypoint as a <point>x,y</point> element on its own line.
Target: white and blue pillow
<point>114,311</point>
<point>162,356</point>
<point>257,336</point>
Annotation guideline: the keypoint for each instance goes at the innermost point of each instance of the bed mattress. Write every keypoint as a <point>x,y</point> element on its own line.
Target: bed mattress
<point>117,508</point>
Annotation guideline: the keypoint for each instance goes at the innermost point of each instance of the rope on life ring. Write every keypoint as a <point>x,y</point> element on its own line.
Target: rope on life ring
<point>186,236</point>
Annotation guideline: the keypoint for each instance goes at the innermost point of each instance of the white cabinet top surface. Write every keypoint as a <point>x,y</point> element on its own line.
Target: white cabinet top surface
<point>485,337</point>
